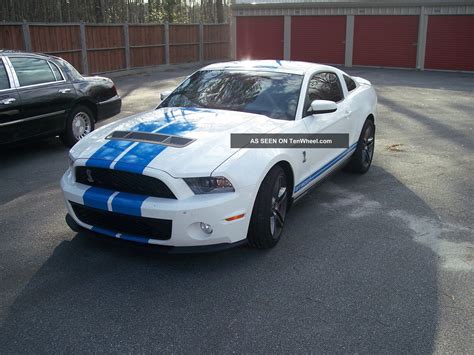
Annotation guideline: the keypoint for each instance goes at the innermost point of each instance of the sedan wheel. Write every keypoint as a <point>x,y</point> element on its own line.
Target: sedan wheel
<point>81,125</point>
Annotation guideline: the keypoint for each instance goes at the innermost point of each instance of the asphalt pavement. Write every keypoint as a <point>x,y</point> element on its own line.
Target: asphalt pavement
<point>379,263</point>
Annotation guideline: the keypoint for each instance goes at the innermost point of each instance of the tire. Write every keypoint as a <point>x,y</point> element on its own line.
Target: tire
<point>269,210</point>
<point>80,122</point>
<point>364,153</point>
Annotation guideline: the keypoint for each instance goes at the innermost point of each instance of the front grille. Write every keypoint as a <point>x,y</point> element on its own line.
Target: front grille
<point>123,181</point>
<point>123,223</point>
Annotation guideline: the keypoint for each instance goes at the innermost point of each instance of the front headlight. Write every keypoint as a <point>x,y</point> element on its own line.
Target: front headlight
<point>209,185</point>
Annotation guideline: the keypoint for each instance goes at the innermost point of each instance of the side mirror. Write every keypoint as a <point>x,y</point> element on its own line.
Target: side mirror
<point>323,106</point>
<point>165,94</point>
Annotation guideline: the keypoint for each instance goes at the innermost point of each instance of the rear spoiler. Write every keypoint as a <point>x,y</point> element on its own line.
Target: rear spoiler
<point>361,81</point>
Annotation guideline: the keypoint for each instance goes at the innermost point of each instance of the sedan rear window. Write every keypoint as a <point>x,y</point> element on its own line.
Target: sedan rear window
<point>271,94</point>
<point>66,66</point>
<point>57,73</point>
<point>31,71</point>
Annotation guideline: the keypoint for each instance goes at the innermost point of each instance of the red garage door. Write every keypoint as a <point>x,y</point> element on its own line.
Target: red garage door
<point>260,37</point>
<point>388,41</point>
<point>450,43</point>
<point>318,38</point>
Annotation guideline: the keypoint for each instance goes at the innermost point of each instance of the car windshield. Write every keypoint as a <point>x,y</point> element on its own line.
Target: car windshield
<point>271,94</point>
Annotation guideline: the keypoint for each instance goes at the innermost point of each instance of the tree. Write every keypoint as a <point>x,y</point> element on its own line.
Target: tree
<point>220,11</point>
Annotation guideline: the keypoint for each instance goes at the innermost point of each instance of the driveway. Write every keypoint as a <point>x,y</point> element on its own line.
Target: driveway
<point>371,264</point>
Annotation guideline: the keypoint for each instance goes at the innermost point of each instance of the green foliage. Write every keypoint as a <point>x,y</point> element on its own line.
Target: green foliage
<point>115,11</point>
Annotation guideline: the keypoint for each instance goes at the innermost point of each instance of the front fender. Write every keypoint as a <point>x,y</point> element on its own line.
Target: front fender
<point>248,167</point>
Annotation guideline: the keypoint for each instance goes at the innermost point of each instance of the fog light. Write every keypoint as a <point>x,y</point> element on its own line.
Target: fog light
<point>206,228</point>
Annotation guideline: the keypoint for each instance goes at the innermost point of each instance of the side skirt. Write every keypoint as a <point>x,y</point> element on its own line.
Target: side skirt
<point>323,178</point>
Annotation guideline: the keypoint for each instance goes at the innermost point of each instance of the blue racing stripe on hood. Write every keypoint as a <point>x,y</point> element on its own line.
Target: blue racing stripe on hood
<point>138,158</point>
<point>109,151</point>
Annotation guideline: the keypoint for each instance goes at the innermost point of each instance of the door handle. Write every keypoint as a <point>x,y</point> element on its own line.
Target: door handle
<point>8,101</point>
<point>64,91</point>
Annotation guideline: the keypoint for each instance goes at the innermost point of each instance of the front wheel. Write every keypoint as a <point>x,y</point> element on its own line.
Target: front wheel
<point>362,157</point>
<point>79,123</point>
<point>269,211</point>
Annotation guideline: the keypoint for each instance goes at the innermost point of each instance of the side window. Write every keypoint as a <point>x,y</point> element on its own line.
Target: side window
<point>4,82</point>
<point>31,71</point>
<point>351,85</point>
<point>323,86</point>
<point>66,67</point>
<point>56,72</point>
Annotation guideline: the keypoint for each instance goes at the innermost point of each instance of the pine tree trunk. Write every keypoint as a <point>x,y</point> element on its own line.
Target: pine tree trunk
<point>220,11</point>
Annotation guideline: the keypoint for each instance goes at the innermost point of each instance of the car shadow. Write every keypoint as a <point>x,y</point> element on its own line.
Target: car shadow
<point>347,276</point>
<point>444,131</point>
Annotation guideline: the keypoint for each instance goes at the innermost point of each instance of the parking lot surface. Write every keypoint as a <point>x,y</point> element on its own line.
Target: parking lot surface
<point>377,263</point>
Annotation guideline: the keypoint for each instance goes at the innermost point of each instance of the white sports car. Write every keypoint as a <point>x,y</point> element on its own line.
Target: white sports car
<point>170,177</point>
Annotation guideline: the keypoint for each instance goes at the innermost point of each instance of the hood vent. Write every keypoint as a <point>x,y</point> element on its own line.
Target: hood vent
<point>154,138</point>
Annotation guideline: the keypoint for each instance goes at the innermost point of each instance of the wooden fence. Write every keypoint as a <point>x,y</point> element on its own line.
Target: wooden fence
<point>99,48</point>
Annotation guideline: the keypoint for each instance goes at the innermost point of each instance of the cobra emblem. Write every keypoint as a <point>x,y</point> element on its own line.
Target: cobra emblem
<point>89,175</point>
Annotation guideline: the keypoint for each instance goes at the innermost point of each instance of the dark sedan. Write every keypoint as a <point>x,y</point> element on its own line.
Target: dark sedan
<point>42,95</point>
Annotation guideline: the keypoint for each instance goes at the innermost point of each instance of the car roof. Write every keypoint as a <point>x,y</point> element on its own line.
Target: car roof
<point>282,66</point>
<point>14,53</point>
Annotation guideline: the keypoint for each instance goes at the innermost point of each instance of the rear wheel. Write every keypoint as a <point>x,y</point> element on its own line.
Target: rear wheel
<point>269,211</point>
<point>362,157</point>
<point>79,123</point>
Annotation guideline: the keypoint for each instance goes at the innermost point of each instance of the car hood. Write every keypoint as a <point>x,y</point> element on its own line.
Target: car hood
<point>210,129</point>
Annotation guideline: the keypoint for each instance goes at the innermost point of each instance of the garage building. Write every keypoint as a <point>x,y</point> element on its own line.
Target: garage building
<point>428,34</point>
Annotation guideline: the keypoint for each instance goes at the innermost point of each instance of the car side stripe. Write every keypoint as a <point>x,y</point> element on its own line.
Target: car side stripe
<point>320,171</point>
<point>97,197</point>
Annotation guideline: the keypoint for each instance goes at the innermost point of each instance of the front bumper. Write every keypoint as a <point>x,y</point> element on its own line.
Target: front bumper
<point>168,249</point>
<point>109,108</point>
<point>185,213</point>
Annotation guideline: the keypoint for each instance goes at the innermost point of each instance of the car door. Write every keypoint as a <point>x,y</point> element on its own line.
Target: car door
<point>10,104</point>
<point>324,85</point>
<point>46,95</point>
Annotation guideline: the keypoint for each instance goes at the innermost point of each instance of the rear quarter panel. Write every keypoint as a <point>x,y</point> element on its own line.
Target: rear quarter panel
<point>96,89</point>
<point>364,104</point>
